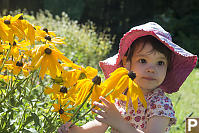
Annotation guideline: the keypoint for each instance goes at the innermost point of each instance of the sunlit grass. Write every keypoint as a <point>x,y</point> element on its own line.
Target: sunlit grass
<point>186,101</point>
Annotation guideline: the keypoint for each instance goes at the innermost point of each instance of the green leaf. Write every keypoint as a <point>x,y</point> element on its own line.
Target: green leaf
<point>36,119</point>
<point>28,120</point>
<point>30,130</point>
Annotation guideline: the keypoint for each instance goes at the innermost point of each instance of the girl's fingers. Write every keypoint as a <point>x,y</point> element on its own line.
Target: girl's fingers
<point>99,112</point>
<point>100,119</point>
<point>101,106</point>
<point>104,100</point>
<point>64,128</point>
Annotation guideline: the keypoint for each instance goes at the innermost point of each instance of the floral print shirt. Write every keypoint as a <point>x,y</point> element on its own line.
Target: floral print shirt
<point>157,105</point>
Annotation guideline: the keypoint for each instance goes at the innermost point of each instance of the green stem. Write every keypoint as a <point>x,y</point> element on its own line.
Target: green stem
<point>8,52</point>
<point>12,90</point>
<point>91,90</point>
<point>90,109</point>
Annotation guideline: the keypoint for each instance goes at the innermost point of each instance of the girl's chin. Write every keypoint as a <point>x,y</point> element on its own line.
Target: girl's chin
<point>147,90</point>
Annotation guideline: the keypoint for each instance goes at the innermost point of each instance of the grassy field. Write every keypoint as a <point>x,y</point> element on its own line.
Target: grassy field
<point>186,101</point>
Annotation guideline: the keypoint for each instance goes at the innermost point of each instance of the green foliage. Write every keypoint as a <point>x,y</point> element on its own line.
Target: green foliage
<point>186,101</point>
<point>83,44</point>
<point>23,105</point>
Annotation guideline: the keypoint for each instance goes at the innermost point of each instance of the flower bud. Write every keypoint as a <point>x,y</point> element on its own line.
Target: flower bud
<point>132,75</point>
<point>20,64</point>
<point>21,17</point>
<point>45,29</point>
<point>97,80</point>
<point>7,21</point>
<point>48,38</point>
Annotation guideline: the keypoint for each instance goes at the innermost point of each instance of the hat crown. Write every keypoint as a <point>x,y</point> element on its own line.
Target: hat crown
<point>156,28</point>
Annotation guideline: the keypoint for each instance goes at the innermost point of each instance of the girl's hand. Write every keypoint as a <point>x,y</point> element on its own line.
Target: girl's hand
<point>108,113</point>
<point>64,128</point>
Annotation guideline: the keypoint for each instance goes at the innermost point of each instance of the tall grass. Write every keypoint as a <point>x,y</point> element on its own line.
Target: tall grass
<point>186,101</point>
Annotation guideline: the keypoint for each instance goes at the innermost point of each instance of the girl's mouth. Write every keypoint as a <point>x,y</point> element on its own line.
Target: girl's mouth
<point>148,78</point>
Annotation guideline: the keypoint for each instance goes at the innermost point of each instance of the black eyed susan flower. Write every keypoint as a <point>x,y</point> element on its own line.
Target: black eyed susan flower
<point>86,88</point>
<point>62,92</point>
<point>48,59</point>
<point>120,80</point>
<point>89,72</point>
<point>16,67</point>
<point>29,31</point>
<point>61,108</point>
<point>17,48</point>
<point>11,22</point>
<point>4,30</point>
<point>44,35</point>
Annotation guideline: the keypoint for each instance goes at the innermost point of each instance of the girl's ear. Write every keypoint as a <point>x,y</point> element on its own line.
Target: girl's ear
<point>126,64</point>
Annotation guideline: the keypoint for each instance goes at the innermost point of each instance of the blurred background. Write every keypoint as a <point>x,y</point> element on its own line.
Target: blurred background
<point>179,17</point>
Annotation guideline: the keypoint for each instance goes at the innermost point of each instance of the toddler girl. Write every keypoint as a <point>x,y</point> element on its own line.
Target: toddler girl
<point>160,66</point>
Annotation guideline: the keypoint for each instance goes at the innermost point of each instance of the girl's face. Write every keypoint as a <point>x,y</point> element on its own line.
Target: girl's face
<point>150,67</point>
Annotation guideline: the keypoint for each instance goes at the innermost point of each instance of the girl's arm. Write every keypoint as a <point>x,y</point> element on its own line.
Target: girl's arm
<point>94,127</point>
<point>90,127</point>
<point>157,124</point>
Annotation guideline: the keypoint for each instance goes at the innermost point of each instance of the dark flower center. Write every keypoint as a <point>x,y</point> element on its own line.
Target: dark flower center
<point>97,80</point>
<point>14,43</point>
<point>21,17</point>
<point>132,75</point>
<point>82,76</point>
<point>45,29</point>
<point>63,89</point>
<point>48,38</point>
<point>7,21</point>
<point>61,111</point>
<point>48,51</point>
<point>20,64</point>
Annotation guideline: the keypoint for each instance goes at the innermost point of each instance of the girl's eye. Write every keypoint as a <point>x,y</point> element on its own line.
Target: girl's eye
<point>161,63</point>
<point>142,61</point>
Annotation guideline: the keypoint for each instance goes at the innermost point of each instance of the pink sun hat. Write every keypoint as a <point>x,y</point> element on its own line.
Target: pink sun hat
<point>182,61</point>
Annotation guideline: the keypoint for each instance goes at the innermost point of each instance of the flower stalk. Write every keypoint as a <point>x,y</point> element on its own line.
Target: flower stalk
<point>91,90</point>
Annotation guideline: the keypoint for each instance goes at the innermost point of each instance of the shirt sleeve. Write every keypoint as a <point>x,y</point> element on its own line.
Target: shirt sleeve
<point>161,106</point>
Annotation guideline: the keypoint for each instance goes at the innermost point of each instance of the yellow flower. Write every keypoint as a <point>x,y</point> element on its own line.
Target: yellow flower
<point>11,22</point>
<point>17,48</point>
<point>7,78</point>
<point>88,87</point>
<point>4,30</point>
<point>120,80</point>
<point>61,92</point>
<point>62,110</point>
<point>48,59</point>
<point>29,31</point>
<point>16,67</point>
<point>47,36</point>
<point>88,72</point>
<point>70,77</point>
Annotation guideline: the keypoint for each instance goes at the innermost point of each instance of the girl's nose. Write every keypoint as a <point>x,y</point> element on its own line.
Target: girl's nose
<point>150,69</point>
